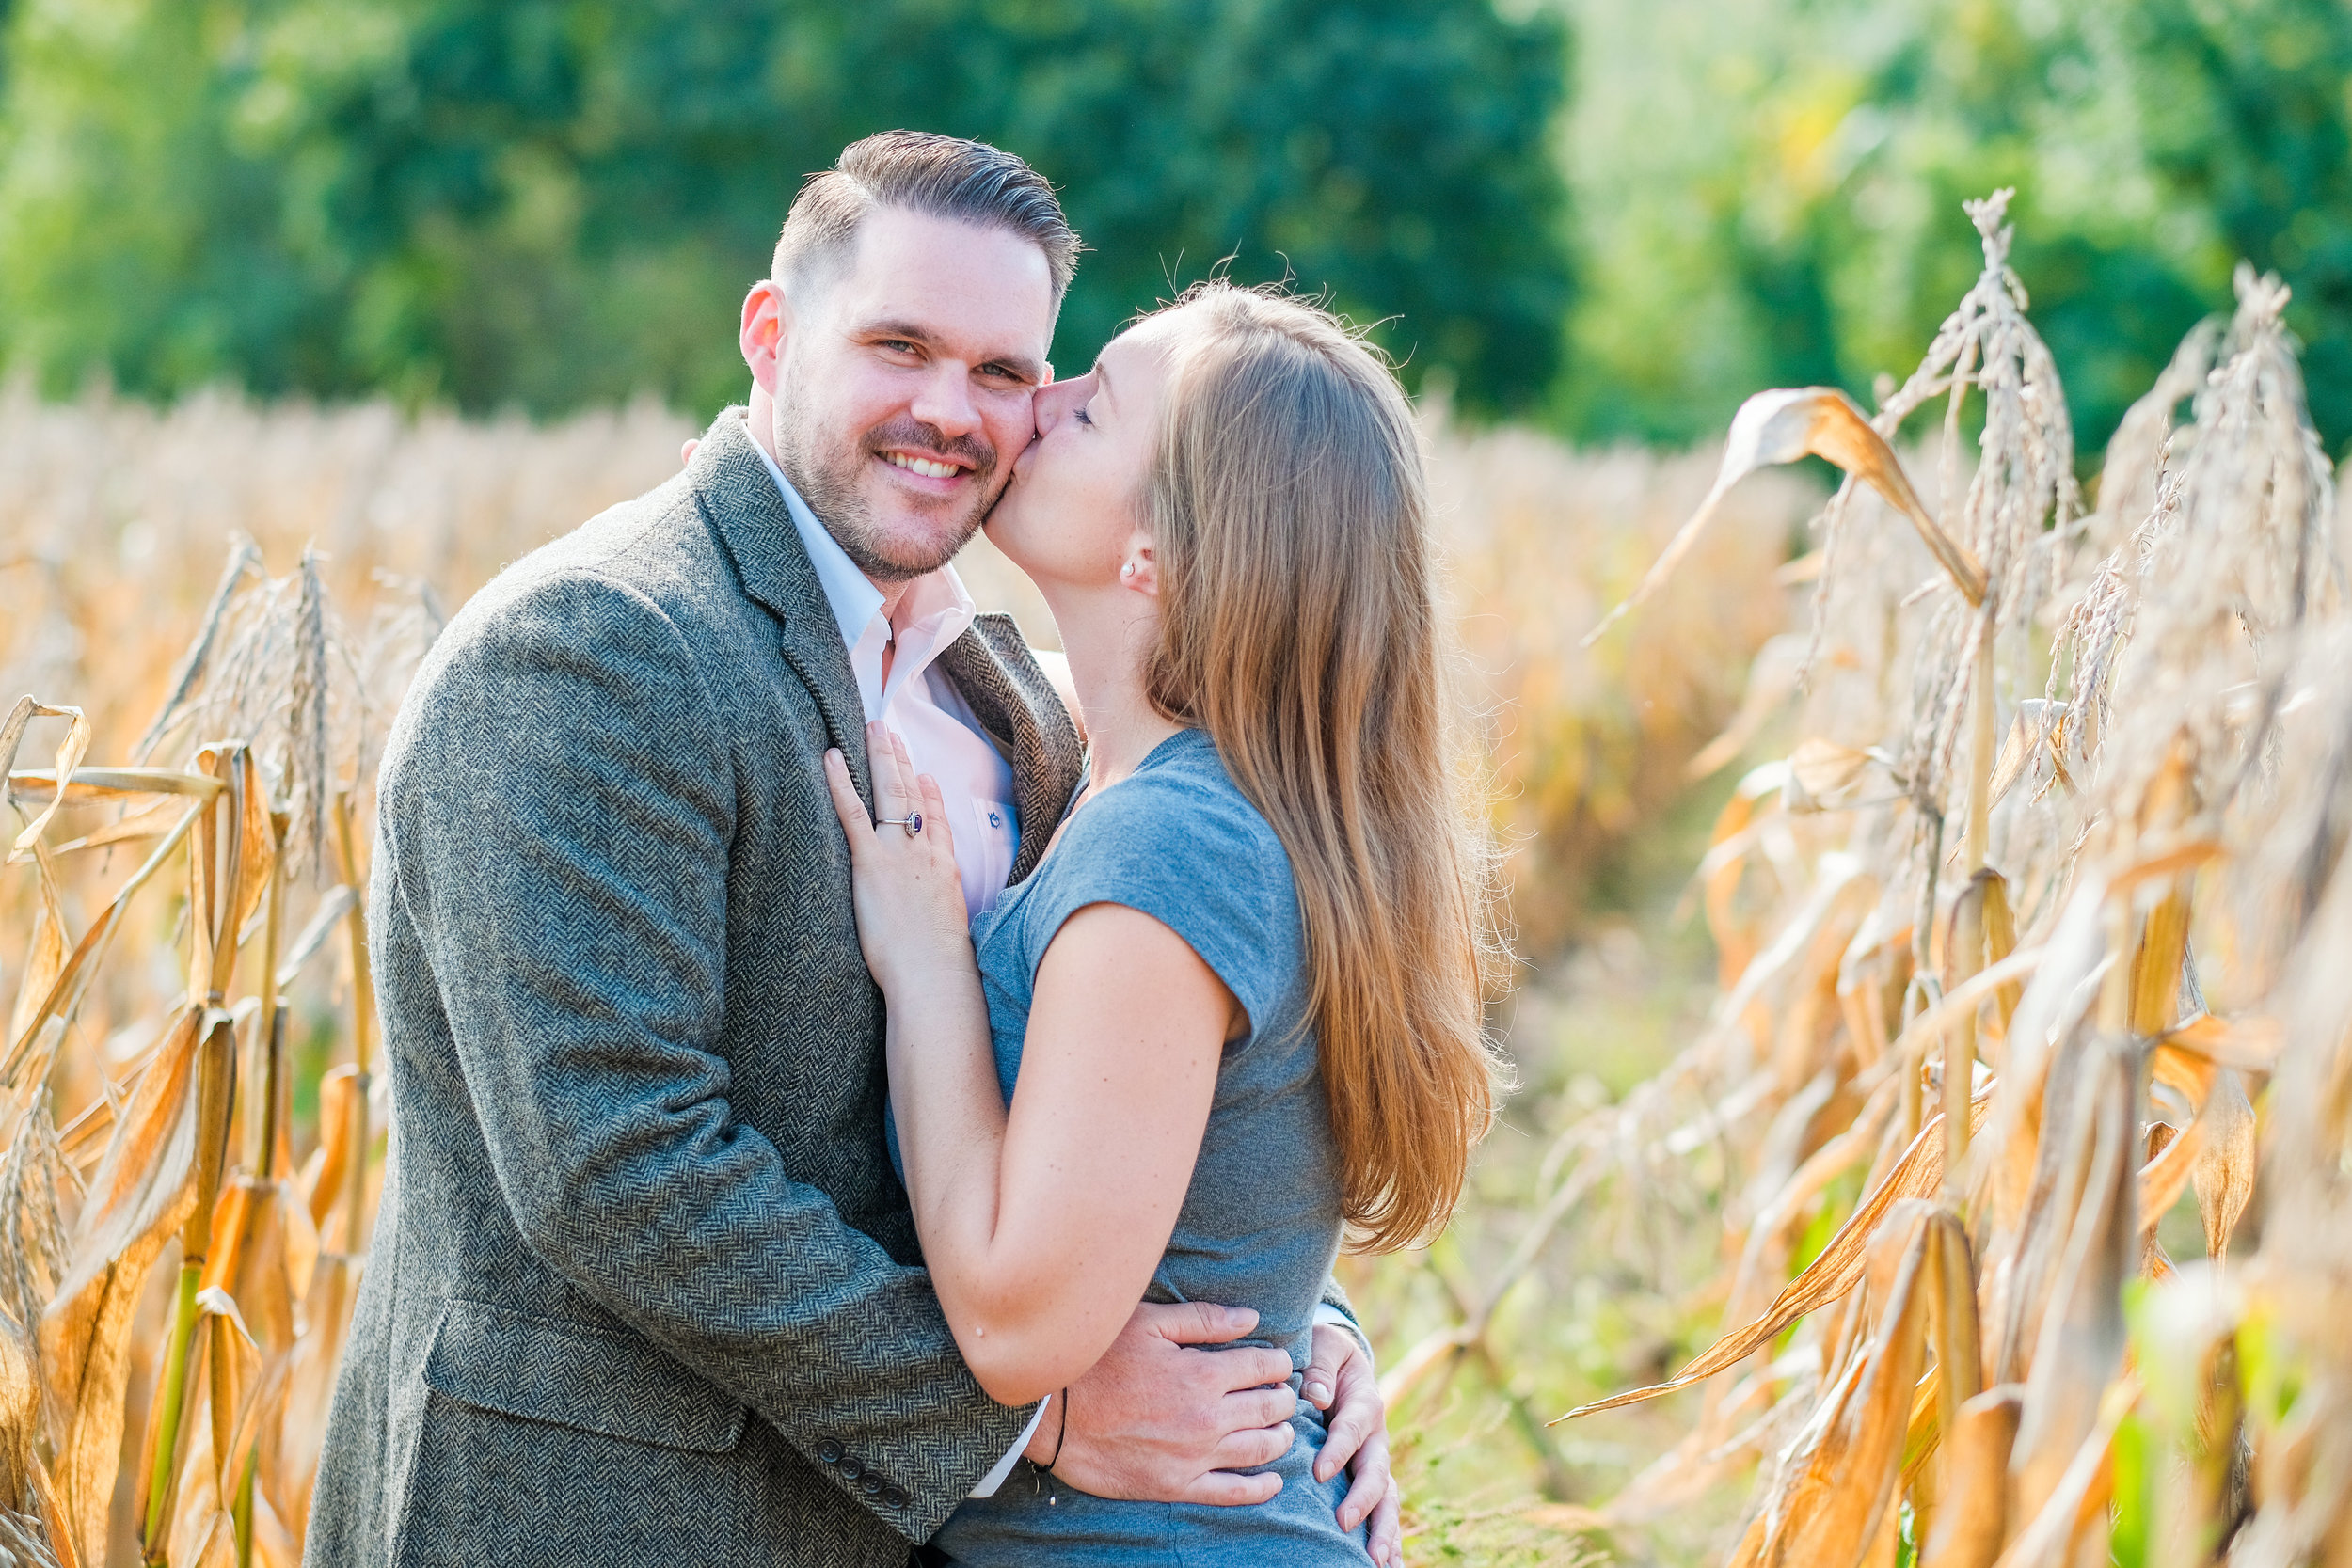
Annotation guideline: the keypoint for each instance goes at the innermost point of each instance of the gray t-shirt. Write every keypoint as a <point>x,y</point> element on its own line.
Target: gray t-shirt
<point>1260,1224</point>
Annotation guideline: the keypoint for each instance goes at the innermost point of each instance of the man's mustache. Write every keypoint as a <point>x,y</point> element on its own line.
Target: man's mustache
<point>914,435</point>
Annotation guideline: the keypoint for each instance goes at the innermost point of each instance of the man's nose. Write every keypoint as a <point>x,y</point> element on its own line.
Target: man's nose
<point>945,403</point>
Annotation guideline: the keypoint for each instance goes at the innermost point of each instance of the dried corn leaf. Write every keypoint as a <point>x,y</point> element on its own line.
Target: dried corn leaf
<point>156,819</point>
<point>1972,1501</point>
<point>46,960</point>
<point>326,1318</point>
<point>325,1178</point>
<point>20,1422</point>
<point>59,1003</point>
<point>98,786</point>
<point>2074,1513</point>
<point>2249,1044</point>
<point>1823,774</point>
<point>142,1193</point>
<point>1836,1270</point>
<point>1834,1510</point>
<point>1782,426</point>
<point>2091,1239</point>
<point>2224,1175</point>
<point>60,778</point>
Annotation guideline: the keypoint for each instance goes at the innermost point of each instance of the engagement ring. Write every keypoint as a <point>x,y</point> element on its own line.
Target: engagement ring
<point>912,822</point>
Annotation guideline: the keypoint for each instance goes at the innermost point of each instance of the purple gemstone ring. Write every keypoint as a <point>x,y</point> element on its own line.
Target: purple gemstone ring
<point>912,822</point>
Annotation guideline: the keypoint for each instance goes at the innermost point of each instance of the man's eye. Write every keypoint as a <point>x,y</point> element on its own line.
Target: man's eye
<point>898,345</point>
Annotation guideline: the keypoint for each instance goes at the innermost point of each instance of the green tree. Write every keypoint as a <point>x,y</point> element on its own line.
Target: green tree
<point>557,201</point>
<point>1770,190</point>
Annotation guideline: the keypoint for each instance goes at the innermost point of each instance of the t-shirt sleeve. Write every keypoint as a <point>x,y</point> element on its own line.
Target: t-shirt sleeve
<point>1201,861</point>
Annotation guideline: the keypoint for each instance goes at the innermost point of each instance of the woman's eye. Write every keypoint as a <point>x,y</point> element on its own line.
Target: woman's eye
<point>1082,416</point>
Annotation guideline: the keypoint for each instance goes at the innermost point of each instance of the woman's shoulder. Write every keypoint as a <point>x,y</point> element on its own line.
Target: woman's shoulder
<point>1183,808</point>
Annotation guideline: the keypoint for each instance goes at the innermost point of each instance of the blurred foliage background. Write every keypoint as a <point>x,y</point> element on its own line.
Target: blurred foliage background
<point>1612,219</point>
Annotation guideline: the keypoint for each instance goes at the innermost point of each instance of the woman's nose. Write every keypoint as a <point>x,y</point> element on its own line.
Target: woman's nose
<point>1054,402</point>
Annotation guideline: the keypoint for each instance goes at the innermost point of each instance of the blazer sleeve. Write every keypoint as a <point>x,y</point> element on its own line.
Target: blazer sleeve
<point>558,814</point>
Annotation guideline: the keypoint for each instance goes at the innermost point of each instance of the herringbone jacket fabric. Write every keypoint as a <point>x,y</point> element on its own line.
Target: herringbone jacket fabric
<point>643,1288</point>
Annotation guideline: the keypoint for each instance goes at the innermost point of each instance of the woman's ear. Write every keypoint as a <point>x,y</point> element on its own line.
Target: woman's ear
<point>1140,569</point>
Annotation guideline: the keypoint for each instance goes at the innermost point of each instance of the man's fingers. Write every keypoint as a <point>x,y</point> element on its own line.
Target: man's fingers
<point>1357,1416</point>
<point>1251,1366</point>
<point>1367,1487</point>
<point>1257,1407</point>
<point>1386,1538</point>
<point>1343,1439</point>
<point>1334,1348</point>
<point>1224,1489</point>
<point>1197,1323</point>
<point>845,802</point>
<point>1254,1447</point>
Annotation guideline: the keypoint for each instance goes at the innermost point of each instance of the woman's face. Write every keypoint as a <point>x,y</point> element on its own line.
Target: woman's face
<point>1073,512</point>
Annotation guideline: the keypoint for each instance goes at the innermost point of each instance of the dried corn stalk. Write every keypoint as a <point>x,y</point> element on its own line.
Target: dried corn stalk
<point>221,1471</point>
<point>2090,926</point>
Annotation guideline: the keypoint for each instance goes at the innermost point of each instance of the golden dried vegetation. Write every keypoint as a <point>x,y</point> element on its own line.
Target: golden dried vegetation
<point>2023,1106</point>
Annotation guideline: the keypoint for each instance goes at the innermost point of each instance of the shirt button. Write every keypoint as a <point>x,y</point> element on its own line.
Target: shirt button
<point>830,1451</point>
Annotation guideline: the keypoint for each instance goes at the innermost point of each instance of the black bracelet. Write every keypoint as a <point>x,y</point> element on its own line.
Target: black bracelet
<point>1061,1433</point>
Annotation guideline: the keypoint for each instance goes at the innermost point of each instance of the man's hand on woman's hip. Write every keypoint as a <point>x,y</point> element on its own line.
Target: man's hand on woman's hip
<point>1158,1420</point>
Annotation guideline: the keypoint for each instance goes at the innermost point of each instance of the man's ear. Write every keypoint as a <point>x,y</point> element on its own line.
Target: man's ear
<point>766,327</point>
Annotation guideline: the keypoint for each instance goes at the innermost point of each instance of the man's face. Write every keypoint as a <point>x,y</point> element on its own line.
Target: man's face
<point>901,384</point>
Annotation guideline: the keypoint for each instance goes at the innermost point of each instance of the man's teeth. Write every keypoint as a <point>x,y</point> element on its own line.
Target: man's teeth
<point>920,465</point>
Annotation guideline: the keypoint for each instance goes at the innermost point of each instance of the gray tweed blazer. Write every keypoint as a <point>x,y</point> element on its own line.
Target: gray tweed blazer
<point>644,1288</point>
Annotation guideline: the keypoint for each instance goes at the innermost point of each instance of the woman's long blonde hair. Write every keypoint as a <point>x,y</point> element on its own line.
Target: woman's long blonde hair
<point>1299,628</point>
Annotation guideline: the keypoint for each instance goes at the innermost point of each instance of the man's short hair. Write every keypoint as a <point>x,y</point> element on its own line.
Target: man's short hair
<point>944,177</point>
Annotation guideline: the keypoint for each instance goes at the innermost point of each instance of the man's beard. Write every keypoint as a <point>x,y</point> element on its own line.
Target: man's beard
<point>829,476</point>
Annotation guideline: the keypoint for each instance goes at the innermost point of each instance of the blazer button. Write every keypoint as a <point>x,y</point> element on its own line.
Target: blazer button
<point>850,1469</point>
<point>830,1451</point>
<point>872,1486</point>
<point>895,1497</point>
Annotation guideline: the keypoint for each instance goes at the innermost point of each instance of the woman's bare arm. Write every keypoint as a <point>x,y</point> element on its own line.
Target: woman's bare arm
<point>1042,1226</point>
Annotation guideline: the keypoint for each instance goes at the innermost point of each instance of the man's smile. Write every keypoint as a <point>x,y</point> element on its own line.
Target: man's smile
<point>941,473</point>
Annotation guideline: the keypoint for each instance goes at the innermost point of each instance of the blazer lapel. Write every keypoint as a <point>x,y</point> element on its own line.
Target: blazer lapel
<point>1014,701</point>
<point>739,498</point>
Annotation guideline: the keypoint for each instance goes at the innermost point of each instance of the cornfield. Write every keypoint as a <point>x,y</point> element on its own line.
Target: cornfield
<point>2013,1146</point>
<point>193,1126</point>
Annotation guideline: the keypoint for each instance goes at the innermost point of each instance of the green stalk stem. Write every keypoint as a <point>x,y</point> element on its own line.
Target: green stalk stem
<point>174,1393</point>
<point>243,1513</point>
<point>216,1079</point>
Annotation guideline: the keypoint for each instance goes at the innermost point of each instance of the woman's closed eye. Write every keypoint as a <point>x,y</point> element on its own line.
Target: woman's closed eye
<point>1082,416</point>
